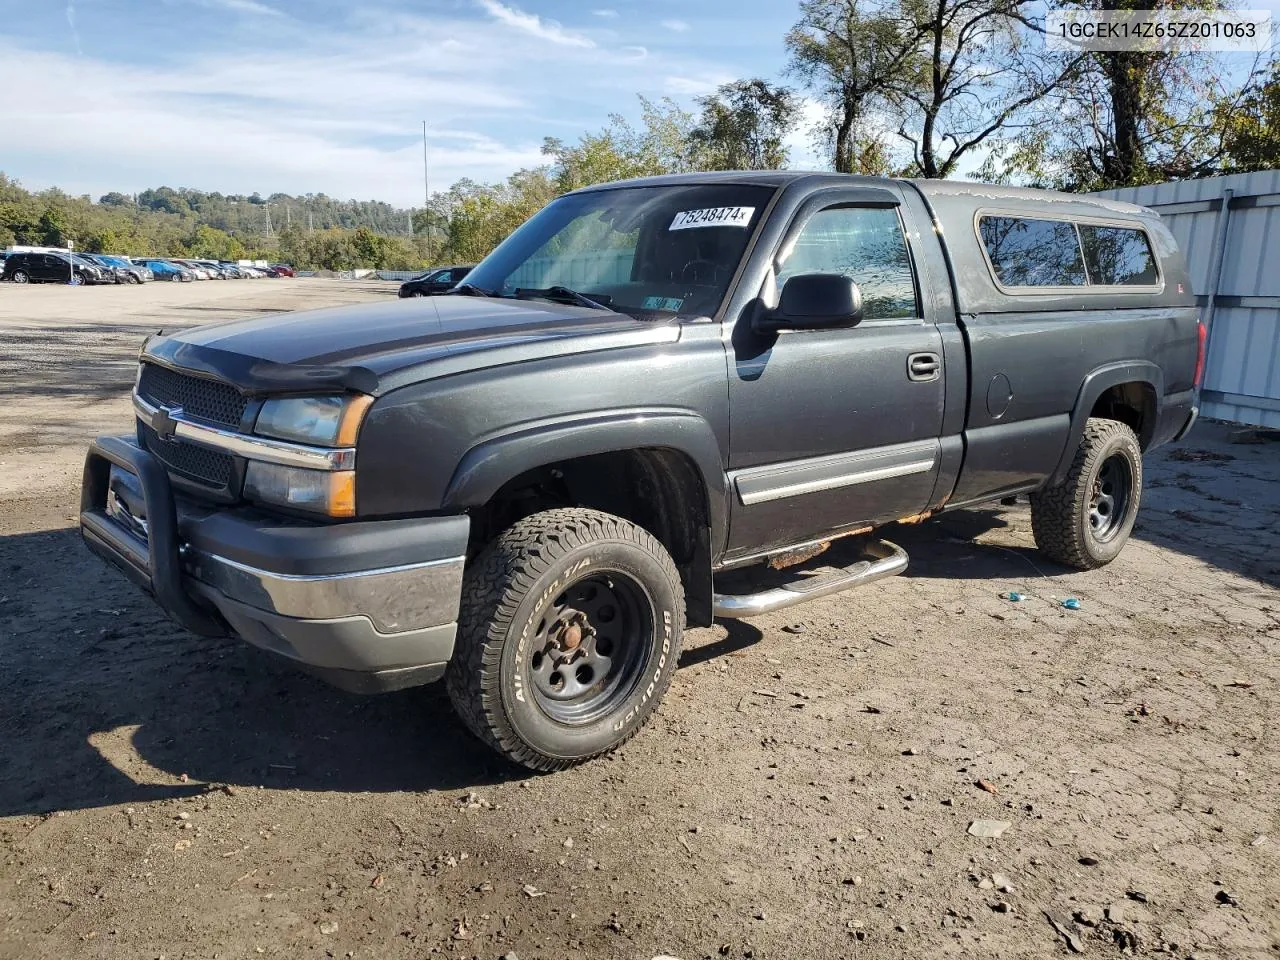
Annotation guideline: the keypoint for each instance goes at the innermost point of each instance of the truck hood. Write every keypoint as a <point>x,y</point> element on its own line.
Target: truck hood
<point>373,348</point>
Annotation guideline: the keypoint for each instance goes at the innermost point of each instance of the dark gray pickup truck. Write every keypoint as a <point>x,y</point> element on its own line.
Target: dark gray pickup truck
<point>529,486</point>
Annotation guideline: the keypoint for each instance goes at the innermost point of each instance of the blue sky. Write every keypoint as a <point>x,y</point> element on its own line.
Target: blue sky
<point>328,95</point>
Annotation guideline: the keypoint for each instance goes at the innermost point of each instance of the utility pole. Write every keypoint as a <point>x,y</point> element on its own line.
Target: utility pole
<point>426,185</point>
<point>426,174</point>
<point>268,209</point>
<point>311,222</point>
<point>288,217</point>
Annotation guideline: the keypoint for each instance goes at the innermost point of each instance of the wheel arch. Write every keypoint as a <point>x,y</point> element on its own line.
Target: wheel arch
<point>660,469</point>
<point>1129,391</point>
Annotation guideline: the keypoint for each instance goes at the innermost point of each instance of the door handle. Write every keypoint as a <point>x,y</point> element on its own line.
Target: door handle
<point>923,367</point>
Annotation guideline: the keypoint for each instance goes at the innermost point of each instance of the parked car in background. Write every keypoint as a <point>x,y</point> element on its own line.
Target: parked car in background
<point>280,270</point>
<point>439,280</point>
<point>49,268</point>
<point>211,267</point>
<point>198,270</point>
<point>166,269</point>
<point>253,273</point>
<point>132,271</point>
<point>110,272</point>
<point>89,270</point>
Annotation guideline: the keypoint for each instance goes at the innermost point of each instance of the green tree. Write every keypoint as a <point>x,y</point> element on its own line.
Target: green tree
<point>53,228</point>
<point>102,241</point>
<point>743,126</point>
<point>944,77</point>
<point>852,55</point>
<point>1251,139</point>
<point>661,144</point>
<point>369,248</point>
<point>1125,118</point>
<point>480,216</point>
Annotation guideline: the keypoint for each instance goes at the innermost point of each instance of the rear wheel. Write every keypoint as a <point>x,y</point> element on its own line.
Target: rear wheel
<point>568,636</point>
<point>1085,521</point>
<point>21,276</point>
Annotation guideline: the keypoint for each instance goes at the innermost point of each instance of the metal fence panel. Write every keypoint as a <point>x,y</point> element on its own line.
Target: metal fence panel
<point>1242,372</point>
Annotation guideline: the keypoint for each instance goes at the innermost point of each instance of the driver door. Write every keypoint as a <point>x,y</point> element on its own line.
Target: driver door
<point>833,430</point>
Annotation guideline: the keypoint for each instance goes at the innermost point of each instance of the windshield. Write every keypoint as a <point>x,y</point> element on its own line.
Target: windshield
<point>646,251</point>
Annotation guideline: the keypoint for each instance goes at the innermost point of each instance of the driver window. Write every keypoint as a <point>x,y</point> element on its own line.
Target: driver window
<point>864,244</point>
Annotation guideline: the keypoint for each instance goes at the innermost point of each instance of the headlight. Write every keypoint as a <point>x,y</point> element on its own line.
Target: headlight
<point>331,492</point>
<point>320,421</point>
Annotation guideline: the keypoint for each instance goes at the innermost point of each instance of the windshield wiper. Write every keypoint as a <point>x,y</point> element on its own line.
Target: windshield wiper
<point>558,292</point>
<point>465,289</point>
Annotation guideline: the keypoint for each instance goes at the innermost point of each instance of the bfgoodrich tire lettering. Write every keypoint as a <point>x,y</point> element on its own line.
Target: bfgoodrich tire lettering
<point>1085,521</point>
<point>529,590</point>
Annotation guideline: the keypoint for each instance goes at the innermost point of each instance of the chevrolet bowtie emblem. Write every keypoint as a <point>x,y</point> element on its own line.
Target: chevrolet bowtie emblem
<point>165,422</point>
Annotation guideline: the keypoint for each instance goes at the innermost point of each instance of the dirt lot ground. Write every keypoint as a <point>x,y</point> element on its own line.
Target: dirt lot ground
<point>804,791</point>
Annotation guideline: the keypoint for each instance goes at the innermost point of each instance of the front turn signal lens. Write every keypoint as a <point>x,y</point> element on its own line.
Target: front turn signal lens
<point>328,492</point>
<point>342,493</point>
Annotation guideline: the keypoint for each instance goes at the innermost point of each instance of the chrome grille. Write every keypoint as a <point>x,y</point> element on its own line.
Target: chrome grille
<point>208,400</point>
<point>209,467</point>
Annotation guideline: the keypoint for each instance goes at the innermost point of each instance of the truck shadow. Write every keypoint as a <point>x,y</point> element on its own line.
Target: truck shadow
<point>104,701</point>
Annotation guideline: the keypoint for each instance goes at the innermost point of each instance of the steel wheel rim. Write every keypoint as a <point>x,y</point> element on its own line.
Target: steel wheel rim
<point>1109,501</point>
<point>590,647</point>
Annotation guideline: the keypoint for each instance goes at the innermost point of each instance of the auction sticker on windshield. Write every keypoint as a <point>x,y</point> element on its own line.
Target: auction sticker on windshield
<point>713,217</point>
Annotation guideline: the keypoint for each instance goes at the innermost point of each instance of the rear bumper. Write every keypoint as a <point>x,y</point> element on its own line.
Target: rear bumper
<point>369,606</point>
<point>1178,415</point>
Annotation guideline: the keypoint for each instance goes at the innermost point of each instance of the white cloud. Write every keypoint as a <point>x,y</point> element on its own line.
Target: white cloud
<point>695,86</point>
<point>534,25</point>
<point>606,14</point>
<point>71,22</point>
<point>240,6</point>
<point>678,26</point>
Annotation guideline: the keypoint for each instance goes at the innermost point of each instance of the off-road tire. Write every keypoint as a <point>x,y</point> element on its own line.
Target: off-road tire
<point>1060,514</point>
<point>506,591</point>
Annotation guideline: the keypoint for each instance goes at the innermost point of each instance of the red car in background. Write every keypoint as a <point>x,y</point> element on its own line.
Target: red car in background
<point>280,270</point>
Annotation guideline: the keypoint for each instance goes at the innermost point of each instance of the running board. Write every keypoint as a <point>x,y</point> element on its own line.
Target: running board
<point>886,560</point>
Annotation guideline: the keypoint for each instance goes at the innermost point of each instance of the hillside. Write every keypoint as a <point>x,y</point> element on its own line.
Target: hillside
<point>313,231</point>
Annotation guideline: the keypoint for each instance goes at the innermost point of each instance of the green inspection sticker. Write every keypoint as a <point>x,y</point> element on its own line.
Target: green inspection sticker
<point>663,303</point>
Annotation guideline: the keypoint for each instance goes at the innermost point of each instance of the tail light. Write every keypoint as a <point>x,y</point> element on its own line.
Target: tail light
<point>1202,334</point>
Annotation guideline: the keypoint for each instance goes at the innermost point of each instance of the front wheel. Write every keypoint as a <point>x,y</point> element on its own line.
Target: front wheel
<point>568,636</point>
<point>1085,521</point>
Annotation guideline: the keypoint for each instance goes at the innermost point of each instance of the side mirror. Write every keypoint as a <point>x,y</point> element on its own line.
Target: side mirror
<point>815,301</point>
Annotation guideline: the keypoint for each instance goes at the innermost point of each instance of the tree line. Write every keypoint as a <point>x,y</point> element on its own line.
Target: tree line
<point>922,88</point>
<point>312,232</point>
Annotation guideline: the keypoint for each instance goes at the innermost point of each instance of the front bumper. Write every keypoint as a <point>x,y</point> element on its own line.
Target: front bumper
<point>369,606</point>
